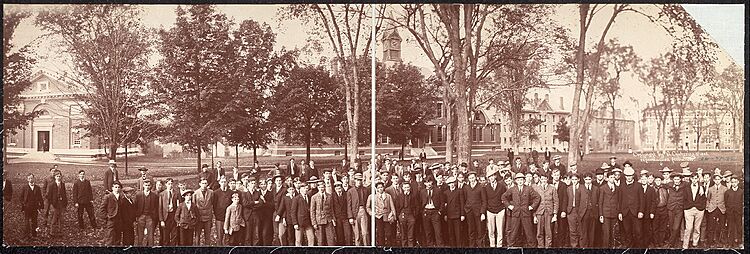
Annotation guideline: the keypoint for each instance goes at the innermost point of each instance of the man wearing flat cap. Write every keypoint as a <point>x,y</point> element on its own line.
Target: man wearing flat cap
<point>144,176</point>
<point>475,209</point>
<point>454,213</point>
<point>521,201</point>
<point>355,199</point>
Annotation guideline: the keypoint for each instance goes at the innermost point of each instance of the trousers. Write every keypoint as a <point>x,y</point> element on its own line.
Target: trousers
<point>495,225</point>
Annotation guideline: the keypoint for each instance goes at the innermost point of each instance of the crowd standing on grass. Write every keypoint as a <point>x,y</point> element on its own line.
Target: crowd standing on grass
<point>507,203</point>
<point>544,203</point>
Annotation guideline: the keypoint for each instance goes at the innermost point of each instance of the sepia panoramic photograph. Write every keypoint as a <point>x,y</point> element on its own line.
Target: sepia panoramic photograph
<point>581,126</point>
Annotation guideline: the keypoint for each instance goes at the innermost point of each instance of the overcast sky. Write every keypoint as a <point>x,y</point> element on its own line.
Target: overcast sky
<point>724,23</point>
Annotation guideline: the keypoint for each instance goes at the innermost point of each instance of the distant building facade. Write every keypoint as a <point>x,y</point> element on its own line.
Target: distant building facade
<point>599,132</point>
<point>703,128</point>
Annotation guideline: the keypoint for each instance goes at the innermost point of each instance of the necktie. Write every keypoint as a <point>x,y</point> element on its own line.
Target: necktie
<point>612,188</point>
<point>574,194</point>
<point>429,196</point>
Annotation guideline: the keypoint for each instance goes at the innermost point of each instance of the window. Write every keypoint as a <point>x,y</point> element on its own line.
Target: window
<point>394,54</point>
<point>492,133</point>
<point>76,137</point>
<point>477,116</point>
<point>479,134</point>
<point>440,134</point>
<point>440,109</point>
<point>12,140</point>
<point>384,139</point>
<point>43,86</point>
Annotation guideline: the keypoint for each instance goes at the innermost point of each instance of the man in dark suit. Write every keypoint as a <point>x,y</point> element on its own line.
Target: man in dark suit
<point>561,228</point>
<point>734,200</point>
<point>31,203</point>
<point>82,199</point>
<point>521,201</point>
<point>58,201</point>
<point>649,199</point>
<point>432,202</point>
<point>45,186</point>
<point>454,212</point>
<point>587,209</point>
<point>613,163</point>
<point>251,203</point>
<point>511,155</point>
<point>356,199</point>
<point>408,206</point>
<point>631,209</point>
<point>222,200</point>
<point>300,217</point>
<point>111,175</point>
<point>285,216</point>
<point>547,155</point>
<point>342,227</point>
<point>608,210</point>
<point>146,213</point>
<point>493,192</point>
<point>277,191</point>
<point>475,210</point>
<point>114,208</point>
<point>168,204</point>
<point>518,166</point>
<point>186,217</point>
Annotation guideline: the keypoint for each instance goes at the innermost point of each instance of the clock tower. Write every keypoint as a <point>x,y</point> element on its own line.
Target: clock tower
<point>391,42</point>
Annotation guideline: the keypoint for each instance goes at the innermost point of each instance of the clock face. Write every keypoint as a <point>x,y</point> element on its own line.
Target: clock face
<point>394,43</point>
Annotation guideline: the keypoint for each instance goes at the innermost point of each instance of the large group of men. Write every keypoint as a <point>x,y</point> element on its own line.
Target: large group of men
<point>516,204</point>
<point>507,203</point>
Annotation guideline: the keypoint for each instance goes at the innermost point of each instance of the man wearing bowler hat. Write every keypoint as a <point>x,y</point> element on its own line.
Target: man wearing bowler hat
<point>111,175</point>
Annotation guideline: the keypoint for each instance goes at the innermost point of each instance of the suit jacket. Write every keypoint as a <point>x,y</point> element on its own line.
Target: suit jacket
<point>521,200</point>
<point>716,199</point>
<point>587,201</point>
<point>563,169</point>
<point>139,184</point>
<point>409,204</point>
<point>734,200</point>
<point>111,207</point>
<point>285,208</point>
<point>164,203</point>
<point>250,203</point>
<point>437,199</point>
<point>609,201</point>
<point>353,201</point>
<point>204,201</point>
<point>548,200</point>
<point>300,214</point>
<point>494,197</point>
<point>630,199</point>
<point>82,193</point>
<point>277,197</point>
<point>338,205</point>
<point>699,202</point>
<point>562,197</point>
<point>233,217</point>
<point>109,178</point>
<point>476,202</point>
<point>291,169</point>
<point>186,217</point>
<point>57,196</point>
<point>649,199</point>
<point>454,203</point>
<point>321,210</point>
<point>152,200</point>
<point>222,200</point>
<point>676,197</point>
<point>31,200</point>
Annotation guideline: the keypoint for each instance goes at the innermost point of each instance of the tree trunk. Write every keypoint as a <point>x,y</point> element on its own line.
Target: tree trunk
<point>308,140</point>
<point>255,153</point>
<point>448,127</point>
<point>401,155</point>
<point>126,159</point>
<point>614,125</point>
<point>213,148</point>
<point>200,150</point>
<point>113,151</point>
<point>237,155</point>
<point>574,126</point>
<point>5,148</point>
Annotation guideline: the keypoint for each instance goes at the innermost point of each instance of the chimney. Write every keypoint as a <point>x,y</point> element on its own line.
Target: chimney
<point>536,97</point>
<point>561,103</point>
